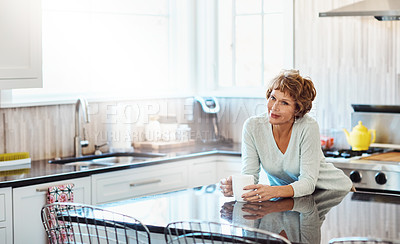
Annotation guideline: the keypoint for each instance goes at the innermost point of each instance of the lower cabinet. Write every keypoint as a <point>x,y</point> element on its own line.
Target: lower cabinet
<point>209,170</point>
<point>228,165</point>
<point>182,174</point>
<point>232,165</point>
<point>28,202</point>
<point>202,171</point>
<point>126,184</point>
<point>6,216</point>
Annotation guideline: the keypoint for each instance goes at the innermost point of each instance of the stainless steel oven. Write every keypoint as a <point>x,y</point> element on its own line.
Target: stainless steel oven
<point>379,174</point>
<point>367,174</point>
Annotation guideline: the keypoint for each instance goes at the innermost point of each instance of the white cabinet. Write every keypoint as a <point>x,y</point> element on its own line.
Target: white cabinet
<point>6,216</point>
<point>20,44</point>
<point>232,165</point>
<point>182,174</point>
<point>202,171</point>
<point>28,202</point>
<point>228,165</point>
<point>125,184</point>
<point>211,169</point>
<point>165,177</point>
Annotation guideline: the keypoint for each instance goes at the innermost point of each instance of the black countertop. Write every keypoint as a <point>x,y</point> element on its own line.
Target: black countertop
<point>312,219</point>
<point>41,171</point>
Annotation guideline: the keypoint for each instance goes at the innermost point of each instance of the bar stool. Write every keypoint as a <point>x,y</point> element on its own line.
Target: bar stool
<point>212,232</point>
<point>81,223</point>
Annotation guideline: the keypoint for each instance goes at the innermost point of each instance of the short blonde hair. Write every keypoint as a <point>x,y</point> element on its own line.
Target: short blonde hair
<point>301,89</point>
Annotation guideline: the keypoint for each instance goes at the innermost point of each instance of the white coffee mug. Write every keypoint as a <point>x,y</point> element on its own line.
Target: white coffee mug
<point>238,183</point>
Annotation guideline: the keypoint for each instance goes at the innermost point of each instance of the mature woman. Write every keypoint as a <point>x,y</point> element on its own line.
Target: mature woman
<point>285,141</point>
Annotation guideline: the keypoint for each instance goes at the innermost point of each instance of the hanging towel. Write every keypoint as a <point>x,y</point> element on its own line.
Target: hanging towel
<point>60,193</point>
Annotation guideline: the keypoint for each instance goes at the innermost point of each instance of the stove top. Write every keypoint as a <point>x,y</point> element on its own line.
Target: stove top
<point>366,174</point>
<point>348,153</point>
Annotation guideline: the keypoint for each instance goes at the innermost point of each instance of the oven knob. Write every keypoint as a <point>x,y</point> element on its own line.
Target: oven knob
<point>380,178</point>
<point>355,176</point>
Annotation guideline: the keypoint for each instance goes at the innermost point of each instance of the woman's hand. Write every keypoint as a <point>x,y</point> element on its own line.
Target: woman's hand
<point>258,210</point>
<point>227,210</point>
<point>265,192</point>
<point>226,186</point>
<point>259,193</point>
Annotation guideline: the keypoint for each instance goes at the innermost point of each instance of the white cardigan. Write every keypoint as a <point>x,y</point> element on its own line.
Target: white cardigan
<point>303,165</point>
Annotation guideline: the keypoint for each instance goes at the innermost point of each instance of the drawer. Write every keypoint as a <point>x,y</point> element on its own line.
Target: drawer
<point>2,207</point>
<point>115,186</point>
<point>5,206</point>
<point>6,220</point>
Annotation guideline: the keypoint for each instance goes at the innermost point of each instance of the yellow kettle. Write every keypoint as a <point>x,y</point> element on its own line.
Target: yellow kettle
<point>360,137</point>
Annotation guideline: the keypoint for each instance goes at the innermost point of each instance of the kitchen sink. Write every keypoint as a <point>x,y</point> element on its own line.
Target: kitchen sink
<point>107,159</point>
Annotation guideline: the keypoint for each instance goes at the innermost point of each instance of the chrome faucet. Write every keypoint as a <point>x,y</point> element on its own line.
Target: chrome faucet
<point>81,104</point>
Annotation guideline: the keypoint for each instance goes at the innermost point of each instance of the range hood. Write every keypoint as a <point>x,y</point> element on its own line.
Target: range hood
<point>380,9</point>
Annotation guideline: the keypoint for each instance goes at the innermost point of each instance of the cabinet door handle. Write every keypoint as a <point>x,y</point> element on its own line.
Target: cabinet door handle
<point>147,182</point>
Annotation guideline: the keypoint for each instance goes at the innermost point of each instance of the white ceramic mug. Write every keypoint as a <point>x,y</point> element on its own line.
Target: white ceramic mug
<point>238,183</point>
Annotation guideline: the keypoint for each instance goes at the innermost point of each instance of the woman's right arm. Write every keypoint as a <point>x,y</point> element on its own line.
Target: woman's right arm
<point>250,157</point>
<point>250,160</point>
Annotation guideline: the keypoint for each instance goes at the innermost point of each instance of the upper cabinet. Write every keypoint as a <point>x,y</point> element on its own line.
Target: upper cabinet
<point>20,44</point>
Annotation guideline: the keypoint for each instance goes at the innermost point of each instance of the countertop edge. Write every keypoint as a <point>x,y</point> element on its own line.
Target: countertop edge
<point>89,172</point>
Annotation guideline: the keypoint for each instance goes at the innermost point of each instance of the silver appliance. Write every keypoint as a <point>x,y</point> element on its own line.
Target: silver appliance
<point>205,120</point>
<point>373,175</point>
<point>381,9</point>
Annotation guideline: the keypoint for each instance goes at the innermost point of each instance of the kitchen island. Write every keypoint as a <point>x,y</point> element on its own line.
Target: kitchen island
<point>311,219</point>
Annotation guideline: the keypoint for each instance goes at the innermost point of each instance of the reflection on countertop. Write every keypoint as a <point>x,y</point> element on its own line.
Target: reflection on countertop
<point>41,171</point>
<point>311,219</point>
<point>297,219</point>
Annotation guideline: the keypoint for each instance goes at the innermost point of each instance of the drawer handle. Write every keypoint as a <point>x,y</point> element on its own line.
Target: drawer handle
<point>42,190</point>
<point>147,182</point>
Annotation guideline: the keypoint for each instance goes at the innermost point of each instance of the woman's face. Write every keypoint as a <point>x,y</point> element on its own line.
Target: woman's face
<point>281,108</point>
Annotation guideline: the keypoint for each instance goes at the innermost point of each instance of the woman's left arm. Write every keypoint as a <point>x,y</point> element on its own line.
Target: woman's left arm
<point>310,160</point>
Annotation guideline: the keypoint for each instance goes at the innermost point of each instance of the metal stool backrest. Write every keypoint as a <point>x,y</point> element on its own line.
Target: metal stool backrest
<point>211,232</point>
<point>362,240</point>
<point>80,223</point>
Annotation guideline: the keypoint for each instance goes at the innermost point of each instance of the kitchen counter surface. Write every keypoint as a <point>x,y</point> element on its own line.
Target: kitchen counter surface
<point>42,172</point>
<point>312,219</point>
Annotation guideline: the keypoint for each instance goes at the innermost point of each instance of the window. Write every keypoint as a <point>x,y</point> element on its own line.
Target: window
<point>254,41</point>
<point>136,48</point>
<point>123,48</point>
